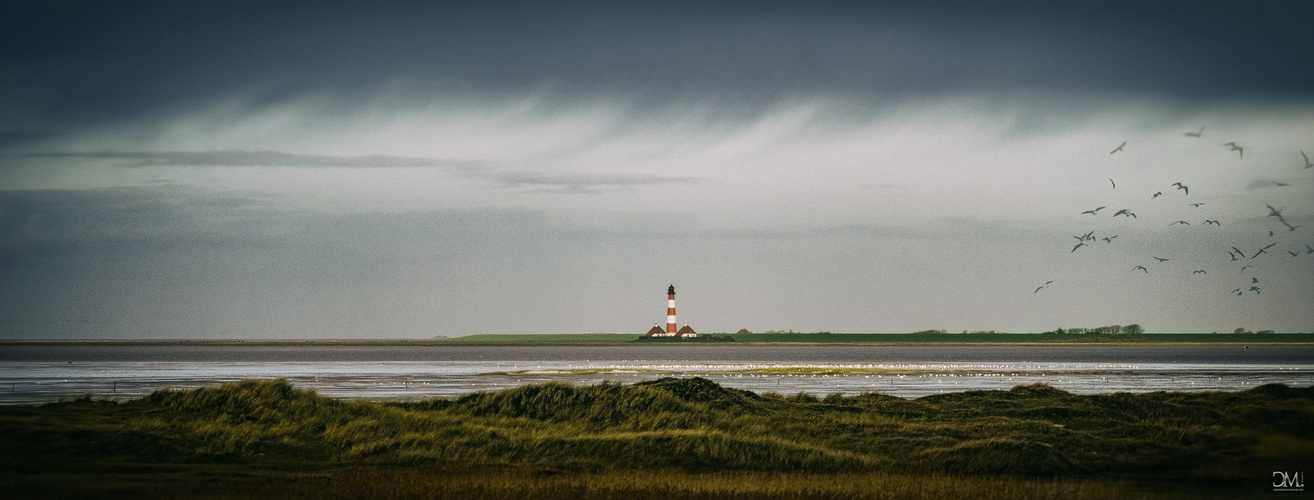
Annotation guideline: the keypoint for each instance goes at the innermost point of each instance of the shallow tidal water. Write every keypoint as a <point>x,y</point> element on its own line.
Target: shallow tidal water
<point>33,374</point>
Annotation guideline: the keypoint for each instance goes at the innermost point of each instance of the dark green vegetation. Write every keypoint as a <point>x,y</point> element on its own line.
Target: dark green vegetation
<point>928,337</point>
<point>1129,330</point>
<point>661,439</point>
<point>720,337</point>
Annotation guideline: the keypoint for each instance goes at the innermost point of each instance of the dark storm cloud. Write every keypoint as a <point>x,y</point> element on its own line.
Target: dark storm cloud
<point>1270,183</point>
<point>939,229</point>
<point>243,158</point>
<point>45,233</point>
<point>175,262</point>
<point>586,183</point>
<point>135,222</point>
<point>11,138</point>
<point>71,62</point>
<point>54,222</point>
<point>559,183</point>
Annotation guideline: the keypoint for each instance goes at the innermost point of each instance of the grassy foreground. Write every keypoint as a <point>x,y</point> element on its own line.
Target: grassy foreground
<point>669,438</point>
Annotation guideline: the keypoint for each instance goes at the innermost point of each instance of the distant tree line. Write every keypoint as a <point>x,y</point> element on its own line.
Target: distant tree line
<point>1132,329</point>
<point>1243,330</point>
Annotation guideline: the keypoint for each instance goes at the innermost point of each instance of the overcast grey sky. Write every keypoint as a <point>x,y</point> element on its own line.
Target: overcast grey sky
<point>351,170</point>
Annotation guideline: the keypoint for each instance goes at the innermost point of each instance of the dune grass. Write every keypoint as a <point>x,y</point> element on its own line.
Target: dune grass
<point>664,438</point>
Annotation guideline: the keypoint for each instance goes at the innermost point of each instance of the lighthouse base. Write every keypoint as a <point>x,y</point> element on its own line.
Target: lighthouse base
<point>656,331</point>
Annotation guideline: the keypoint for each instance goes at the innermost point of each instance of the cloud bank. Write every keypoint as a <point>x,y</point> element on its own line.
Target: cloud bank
<point>336,170</point>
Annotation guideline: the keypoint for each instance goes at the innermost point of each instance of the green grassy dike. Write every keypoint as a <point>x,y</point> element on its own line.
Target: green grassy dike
<point>887,338</point>
<point>669,438</point>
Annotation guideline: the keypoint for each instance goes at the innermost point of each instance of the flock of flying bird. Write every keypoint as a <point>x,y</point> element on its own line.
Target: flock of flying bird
<point>1242,258</point>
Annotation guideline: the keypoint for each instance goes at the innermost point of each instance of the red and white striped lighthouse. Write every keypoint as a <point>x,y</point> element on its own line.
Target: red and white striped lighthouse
<point>670,310</point>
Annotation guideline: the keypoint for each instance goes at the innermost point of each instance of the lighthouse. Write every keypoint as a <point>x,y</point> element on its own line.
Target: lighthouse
<point>671,326</point>
<point>671,330</point>
<point>670,310</point>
